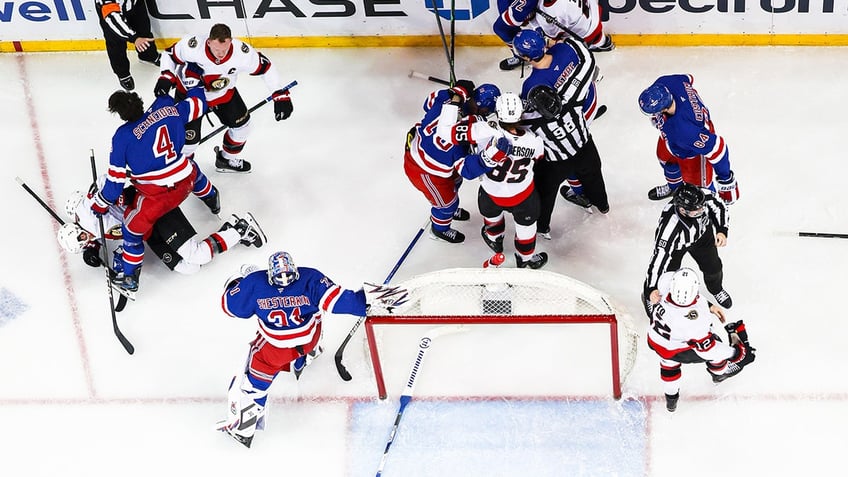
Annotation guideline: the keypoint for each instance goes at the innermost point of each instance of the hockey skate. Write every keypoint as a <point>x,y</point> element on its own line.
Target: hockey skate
<point>449,235</point>
<point>660,192</point>
<point>510,63</point>
<point>579,200</point>
<point>231,165</point>
<point>535,262</point>
<point>607,45</point>
<point>249,230</point>
<point>545,234</point>
<point>213,201</point>
<point>126,285</point>
<point>128,83</point>
<point>723,298</point>
<point>732,370</point>
<point>302,362</point>
<point>671,401</point>
<point>251,419</point>
<point>496,245</point>
<point>461,214</point>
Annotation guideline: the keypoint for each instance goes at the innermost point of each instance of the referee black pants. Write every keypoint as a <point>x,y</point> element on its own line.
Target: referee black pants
<point>705,254</point>
<point>116,46</point>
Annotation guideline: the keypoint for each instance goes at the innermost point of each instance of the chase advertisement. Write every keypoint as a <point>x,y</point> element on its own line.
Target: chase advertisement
<point>61,20</point>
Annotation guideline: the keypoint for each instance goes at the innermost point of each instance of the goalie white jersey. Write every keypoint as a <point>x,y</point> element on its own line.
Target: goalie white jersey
<point>220,78</point>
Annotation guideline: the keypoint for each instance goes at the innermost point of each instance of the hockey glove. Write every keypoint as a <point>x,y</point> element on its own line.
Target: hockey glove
<point>166,81</point>
<point>99,206</point>
<point>737,328</point>
<point>496,151</point>
<point>91,255</point>
<point>728,191</point>
<point>283,106</point>
<point>463,89</point>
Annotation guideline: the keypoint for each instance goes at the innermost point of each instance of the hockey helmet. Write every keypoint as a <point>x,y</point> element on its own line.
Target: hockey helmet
<point>529,44</point>
<point>281,269</point>
<point>655,99</point>
<point>684,288</point>
<point>509,108</point>
<point>484,97</point>
<point>545,100</point>
<point>73,238</point>
<point>689,200</point>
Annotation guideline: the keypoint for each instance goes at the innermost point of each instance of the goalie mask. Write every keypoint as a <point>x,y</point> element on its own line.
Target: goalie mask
<point>281,270</point>
<point>545,100</point>
<point>73,238</point>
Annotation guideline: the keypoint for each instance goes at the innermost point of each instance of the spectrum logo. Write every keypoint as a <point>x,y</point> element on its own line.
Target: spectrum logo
<point>477,9</point>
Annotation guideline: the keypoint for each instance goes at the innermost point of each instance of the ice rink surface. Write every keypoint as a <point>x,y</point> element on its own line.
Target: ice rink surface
<point>328,187</point>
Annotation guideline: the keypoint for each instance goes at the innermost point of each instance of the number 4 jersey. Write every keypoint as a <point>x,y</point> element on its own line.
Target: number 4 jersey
<point>149,150</point>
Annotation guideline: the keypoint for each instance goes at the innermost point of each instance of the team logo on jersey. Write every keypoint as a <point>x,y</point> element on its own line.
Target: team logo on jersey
<point>192,42</point>
<point>219,83</point>
<point>692,315</point>
<point>245,48</point>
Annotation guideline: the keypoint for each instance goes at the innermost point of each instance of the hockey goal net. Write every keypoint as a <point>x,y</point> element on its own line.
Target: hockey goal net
<point>509,297</point>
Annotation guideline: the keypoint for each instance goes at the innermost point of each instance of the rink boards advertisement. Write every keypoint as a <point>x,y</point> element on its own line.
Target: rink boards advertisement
<point>72,23</point>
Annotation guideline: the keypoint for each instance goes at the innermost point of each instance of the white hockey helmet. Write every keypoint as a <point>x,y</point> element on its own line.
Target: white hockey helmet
<point>73,202</point>
<point>684,287</point>
<point>73,238</point>
<point>509,108</point>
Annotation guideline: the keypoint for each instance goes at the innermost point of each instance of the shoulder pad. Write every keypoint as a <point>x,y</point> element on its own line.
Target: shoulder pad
<point>245,48</point>
<point>192,42</point>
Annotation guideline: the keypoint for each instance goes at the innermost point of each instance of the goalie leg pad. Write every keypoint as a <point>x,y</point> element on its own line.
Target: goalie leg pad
<point>245,413</point>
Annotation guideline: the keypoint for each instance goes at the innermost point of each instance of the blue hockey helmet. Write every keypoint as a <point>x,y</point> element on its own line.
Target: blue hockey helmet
<point>281,269</point>
<point>530,44</point>
<point>654,99</point>
<point>484,98</point>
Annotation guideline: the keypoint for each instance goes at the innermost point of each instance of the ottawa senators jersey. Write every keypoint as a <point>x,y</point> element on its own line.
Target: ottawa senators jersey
<point>219,77</point>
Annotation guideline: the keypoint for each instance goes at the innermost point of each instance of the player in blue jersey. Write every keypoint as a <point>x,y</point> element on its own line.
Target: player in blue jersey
<point>289,302</point>
<point>688,148</point>
<point>146,152</point>
<point>436,167</point>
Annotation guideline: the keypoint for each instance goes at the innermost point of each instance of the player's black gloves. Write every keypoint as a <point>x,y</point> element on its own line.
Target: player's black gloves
<point>283,106</point>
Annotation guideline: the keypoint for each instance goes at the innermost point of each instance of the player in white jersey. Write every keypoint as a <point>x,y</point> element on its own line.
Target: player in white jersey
<point>222,58</point>
<point>508,187</point>
<point>681,332</point>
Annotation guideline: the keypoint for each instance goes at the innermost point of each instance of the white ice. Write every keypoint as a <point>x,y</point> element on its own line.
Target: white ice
<point>328,186</point>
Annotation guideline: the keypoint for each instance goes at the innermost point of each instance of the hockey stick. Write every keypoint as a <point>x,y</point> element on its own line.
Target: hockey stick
<point>122,300</point>
<point>252,109</point>
<point>452,41</point>
<point>821,235</point>
<point>423,345</point>
<point>444,40</point>
<point>345,375</point>
<point>415,74</point>
<point>123,339</point>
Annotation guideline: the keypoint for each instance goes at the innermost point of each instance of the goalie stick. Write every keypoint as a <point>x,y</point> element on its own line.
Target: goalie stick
<point>122,300</point>
<point>343,372</point>
<point>252,109</point>
<point>123,339</point>
<point>423,345</point>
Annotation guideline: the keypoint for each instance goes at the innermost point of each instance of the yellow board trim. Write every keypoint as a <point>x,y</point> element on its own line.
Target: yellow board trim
<point>461,40</point>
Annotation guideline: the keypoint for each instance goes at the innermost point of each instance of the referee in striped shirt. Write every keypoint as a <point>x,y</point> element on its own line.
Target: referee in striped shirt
<point>693,222</point>
<point>122,22</point>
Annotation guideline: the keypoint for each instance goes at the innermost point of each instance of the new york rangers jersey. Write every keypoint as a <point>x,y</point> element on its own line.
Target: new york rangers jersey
<point>219,76</point>
<point>676,329</point>
<point>436,154</point>
<point>556,18</point>
<point>148,150</point>
<point>689,133</point>
<point>289,316</point>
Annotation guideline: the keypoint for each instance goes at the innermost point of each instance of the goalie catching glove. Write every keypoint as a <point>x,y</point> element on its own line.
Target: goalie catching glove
<point>728,191</point>
<point>384,297</point>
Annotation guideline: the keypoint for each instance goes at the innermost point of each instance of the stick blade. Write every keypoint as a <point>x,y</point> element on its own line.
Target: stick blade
<point>343,373</point>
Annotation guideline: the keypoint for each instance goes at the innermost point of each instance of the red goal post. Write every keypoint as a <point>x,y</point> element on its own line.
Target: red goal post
<point>506,296</point>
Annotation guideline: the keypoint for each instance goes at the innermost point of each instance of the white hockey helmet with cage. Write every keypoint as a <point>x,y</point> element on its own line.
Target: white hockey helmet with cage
<point>281,269</point>
<point>72,204</point>
<point>73,238</point>
<point>684,287</point>
<point>509,108</point>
